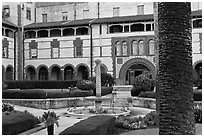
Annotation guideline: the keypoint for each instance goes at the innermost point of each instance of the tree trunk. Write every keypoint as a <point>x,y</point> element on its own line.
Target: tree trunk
<point>50,129</point>
<point>175,69</point>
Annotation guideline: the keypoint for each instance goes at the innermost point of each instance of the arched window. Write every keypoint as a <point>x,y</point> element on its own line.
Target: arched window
<point>82,31</point>
<point>42,33</point>
<point>118,49</point>
<point>30,34</point>
<point>68,32</point>
<point>55,33</point>
<point>124,48</point>
<point>141,47</point>
<point>134,48</point>
<point>151,47</point>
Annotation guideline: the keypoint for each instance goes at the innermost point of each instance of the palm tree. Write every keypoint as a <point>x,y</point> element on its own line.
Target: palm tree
<point>175,69</point>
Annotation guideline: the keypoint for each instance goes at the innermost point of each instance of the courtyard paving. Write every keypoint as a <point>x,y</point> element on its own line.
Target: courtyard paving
<point>65,122</point>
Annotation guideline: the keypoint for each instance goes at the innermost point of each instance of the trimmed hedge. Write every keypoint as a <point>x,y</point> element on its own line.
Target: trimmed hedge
<point>104,91</point>
<point>17,122</point>
<point>43,94</point>
<point>40,84</point>
<point>197,95</point>
<point>96,125</point>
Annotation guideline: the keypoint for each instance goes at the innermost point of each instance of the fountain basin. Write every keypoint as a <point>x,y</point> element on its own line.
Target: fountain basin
<point>98,99</point>
<point>82,112</point>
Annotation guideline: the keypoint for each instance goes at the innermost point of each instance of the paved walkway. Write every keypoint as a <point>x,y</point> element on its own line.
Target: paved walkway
<point>65,122</point>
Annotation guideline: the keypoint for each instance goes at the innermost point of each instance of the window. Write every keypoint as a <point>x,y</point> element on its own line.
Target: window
<point>151,47</point>
<point>116,12</point>
<point>55,52</point>
<point>140,9</point>
<point>148,27</point>
<point>78,51</point>
<point>85,14</point>
<point>82,31</point>
<point>126,28</point>
<point>44,17</point>
<point>28,13</point>
<point>33,53</point>
<point>6,11</point>
<point>33,49</point>
<point>118,49</point>
<point>5,45</point>
<point>197,23</point>
<point>116,28</point>
<point>134,48</point>
<point>64,16</point>
<point>196,40</point>
<point>141,47</point>
<point>100,29</point>
<point>124,48</point>
<point>137,27</point>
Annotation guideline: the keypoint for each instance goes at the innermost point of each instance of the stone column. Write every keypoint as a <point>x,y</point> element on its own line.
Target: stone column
<point>98,101</point>
<point>98,78</point>
<point>62,73</point>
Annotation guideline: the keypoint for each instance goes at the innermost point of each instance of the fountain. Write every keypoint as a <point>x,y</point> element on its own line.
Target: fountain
<point>87,111</point>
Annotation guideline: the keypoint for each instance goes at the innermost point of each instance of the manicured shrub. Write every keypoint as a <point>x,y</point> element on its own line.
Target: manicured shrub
<point>104,91</point>
<point>197,95</point>
<point>17,122</point>
<point>107,79</point>
<point>148,94</point>
<point>85,85</point>
<point>134,92</point>
<point>96,125</point>
<point>198,115</point>
<point>80,93</point>
<point>6,107</point>
<point>141,83</point>
<point>40,84</point>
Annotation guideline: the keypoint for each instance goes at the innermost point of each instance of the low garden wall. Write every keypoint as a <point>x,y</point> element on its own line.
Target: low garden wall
<point>48,103</point>
<point>151,103</point>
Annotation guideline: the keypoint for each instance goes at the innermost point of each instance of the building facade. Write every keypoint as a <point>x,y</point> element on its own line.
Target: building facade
<point>66,38</point>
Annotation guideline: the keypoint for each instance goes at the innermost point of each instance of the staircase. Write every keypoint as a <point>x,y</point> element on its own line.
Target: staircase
<point>125,88</point>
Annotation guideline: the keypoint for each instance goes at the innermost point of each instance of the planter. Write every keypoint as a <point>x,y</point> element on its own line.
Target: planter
<point>50,129</point>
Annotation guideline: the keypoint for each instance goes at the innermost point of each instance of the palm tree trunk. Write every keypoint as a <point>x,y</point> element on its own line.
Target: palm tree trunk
<point>175,69</point>
<point>50,129</point>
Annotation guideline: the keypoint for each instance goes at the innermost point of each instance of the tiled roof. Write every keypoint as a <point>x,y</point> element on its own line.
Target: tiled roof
<point>6,22</point>
<point>99,21</point>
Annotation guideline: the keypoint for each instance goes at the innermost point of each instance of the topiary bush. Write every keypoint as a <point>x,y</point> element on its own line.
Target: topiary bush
<point>141,83</point>
<point>198,115</point>
<point>6,107</point>
<point>104,91</point>
<point>16,122</point>
<point>85,85</point>
<point>107,80</point>
<point>148,94</point>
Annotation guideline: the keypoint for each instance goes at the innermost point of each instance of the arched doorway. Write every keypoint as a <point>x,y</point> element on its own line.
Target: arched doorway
<point>134,71</point>
<point>30,74</point>
<point>68,73</point>
<point>43,73</point>
<point>82,72</point>
<point>133,68</point>
<point>55,73</point>
<point>9,73</point>
<point>3,73</point>
<point>198,70</point>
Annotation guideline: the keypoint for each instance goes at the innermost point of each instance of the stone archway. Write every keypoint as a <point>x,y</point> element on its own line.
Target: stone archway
<point>82,71</point>
<point>133,68</point>
<point>9,72</point>
<point>30,73</point>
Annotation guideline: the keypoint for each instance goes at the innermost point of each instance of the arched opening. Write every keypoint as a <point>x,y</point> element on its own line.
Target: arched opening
<point>137,27</point>
<point>133,68</point>
<point>82,72</point>
<point>9,73</point>
<point>124,48</point>
<point>42,33</point>
<point>118,49</point>
<point>30,34</point>
<point>151,47</point>
<point>82,31</point>
<point>116,28</point>
<point>68,73</point>
<point>197,23</point>
<point>134,48</point>
<point>134,71</point>
<point>9,33</point>
<point>55,73</point>
<point>141,47</point>
<point>3,73</point>
<point>43,73</point>
<point>31,74</point>
<point>68,32</point>
<point>198,70</point>
<point>3,32</point>
<point>55,33</point>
